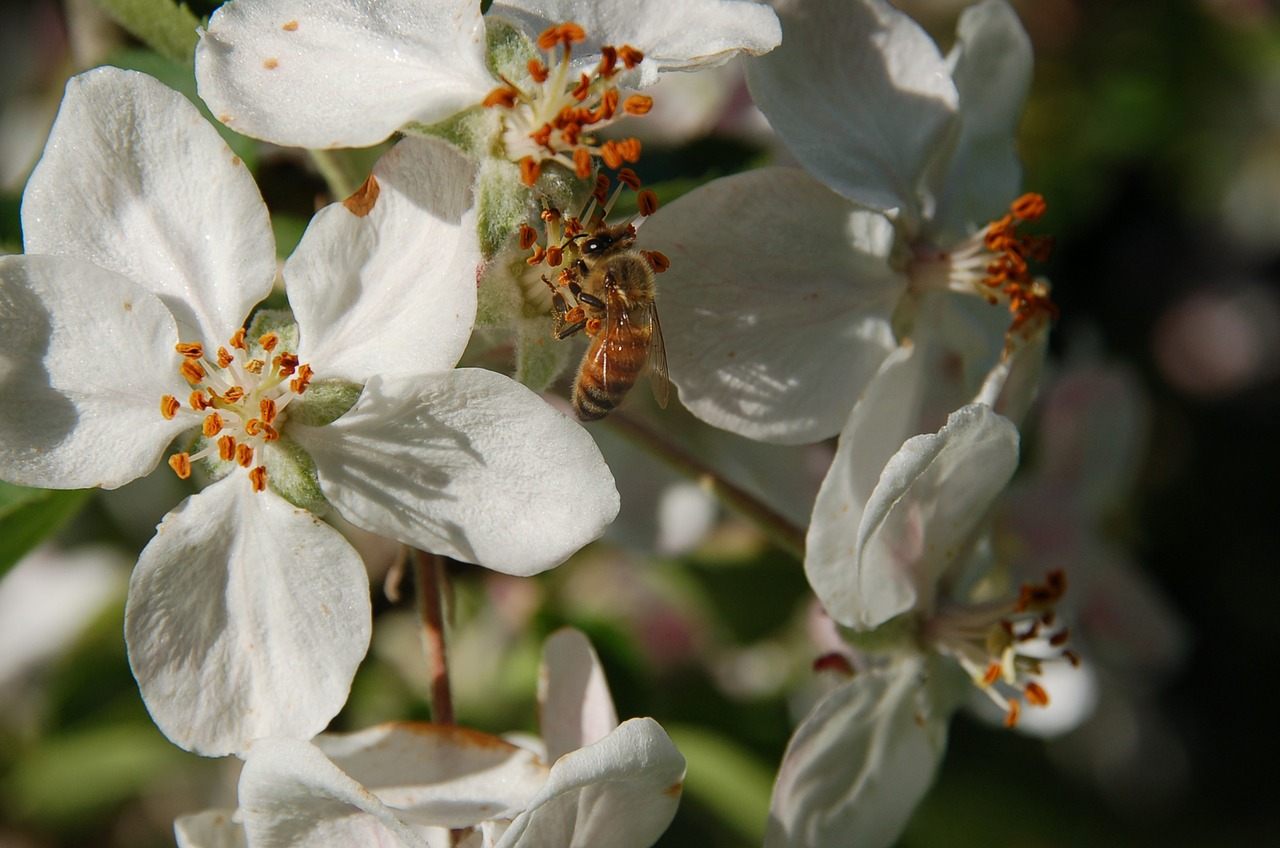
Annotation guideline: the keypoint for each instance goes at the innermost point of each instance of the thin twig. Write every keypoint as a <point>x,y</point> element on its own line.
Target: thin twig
<point>430,580</point>
<point>784,533</point>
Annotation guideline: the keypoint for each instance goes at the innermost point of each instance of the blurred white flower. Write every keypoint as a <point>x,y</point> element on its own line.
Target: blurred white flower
<point>908,575</point>
<point>591,781</point>
<point>783,312</point>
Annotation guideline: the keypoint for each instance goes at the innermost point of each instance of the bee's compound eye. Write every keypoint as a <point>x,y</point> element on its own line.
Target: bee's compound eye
<point>595,245</point>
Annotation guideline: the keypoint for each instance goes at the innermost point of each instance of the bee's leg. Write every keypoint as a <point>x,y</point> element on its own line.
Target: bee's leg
<point>589,299</point>
<point>564,332</point>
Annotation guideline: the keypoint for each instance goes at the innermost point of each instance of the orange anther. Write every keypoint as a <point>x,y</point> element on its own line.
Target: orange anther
<point>258,478</point>
<point>253,426</point>
<point>1011,717</point>
<point>269,341</point>
<point>212,425</point>
<point>224,357</point>
<point>582,162</point>
<point>237,340</point>
<point>299,384</point>
<point>191,350</point>
<point>191,370</point>
<point>1029,207</point>
<point>648,202</point>
<point>630,56</point>
<point>244,455</point>
<point>582,89</point>
<point>169,407</point>
<point>235,394</point>
<point>501,96</point>
<point>529,171</point>
<point>181,464</point>
<point>286,363</point>
<point>1036,696</point>
<point>528,236</point>
<point>269,433</point>
<point>254,366</point>
<point>566,34</point>
<point>538,71</point>
<point>657,260</point>
<point>638,104</point>
<point>611,153</point>
<point>555,256</point>
<point>608,106</point>
<point>992,674</point>
<point>267,407</point>
<point>608,61</point>
<point>628,178</point>
<point>198,401</point>
<point>226,448</point>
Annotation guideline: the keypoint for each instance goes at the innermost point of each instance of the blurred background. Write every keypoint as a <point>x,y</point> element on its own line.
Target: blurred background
<point>1150,474</point>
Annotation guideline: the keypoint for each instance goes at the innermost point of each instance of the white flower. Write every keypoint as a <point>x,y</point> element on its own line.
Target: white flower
<point>782,313</point>
<point>597,783</point>
<point>336,73</point>
<point>909,576</point>
<point>147,246</point>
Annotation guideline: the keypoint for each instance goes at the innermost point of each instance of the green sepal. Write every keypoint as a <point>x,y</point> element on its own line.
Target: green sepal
<point>540,356</point>
<point>278,321</point>
<point>500,299</point>
<point>503,203</point>
<point>324,402</point>
<point>508,51</point>
<point>29,516</point>
<point>291,474</point>
<point>476,131</point>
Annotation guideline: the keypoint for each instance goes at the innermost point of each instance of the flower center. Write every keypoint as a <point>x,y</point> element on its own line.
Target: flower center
<point>560,243</point>
<point>240,399</point>
<point>1004,644</point>
<point>994,264</point>
<point>555,115</point>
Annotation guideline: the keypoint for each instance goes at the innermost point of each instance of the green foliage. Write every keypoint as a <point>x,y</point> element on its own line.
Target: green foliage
<point>29,516</point>
<point>166,27</point>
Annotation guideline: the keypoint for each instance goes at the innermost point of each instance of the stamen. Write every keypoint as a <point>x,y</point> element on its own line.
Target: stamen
<point>269,341</point>
<point>648,202</point>
<point>529,171</point>
<point>657,260</point>
<point>192,350</point>
<point>226,448</point>
<point>258,478</point>
<point>1036,696</point>
<point>1011,715</point>
<point>630,56</point>
<point>181,464</point>
<point>237,340</point>
<point>267,407</point>
<point>169,407</point>
<point>193,371</point>
<point>224,357</point>
<point>212,425</point>
<point>244,455</point>
<point>199,401</point>
<point>638,104</point>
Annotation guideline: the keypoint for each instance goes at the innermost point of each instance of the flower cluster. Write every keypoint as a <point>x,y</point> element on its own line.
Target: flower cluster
<point>884,294</point>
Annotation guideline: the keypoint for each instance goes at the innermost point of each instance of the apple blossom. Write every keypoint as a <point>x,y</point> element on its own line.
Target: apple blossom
<point>123,329</point>
<point>594,782</point>
<point>782,313</point>
<point>910,577</point>
<point>335,73</point>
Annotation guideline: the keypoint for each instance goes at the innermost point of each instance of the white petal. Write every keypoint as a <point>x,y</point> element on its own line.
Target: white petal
<point>778,315</point>
<point>246,617</point>
<point>338,73</point>
<point>860,94</point>
<point>955,345</point>
<point>575,708</point>
<point>469,464</point>
<point>292,796</point>
<point>85,357</point>
<point>622,792</point>
<point>133,179</point>
<point>991,64</point>
<point>932,495</point>
<point>392,291</point>
<point>431,774</point>
<point>672,34</point>
<point>859,763</point>
<point>209,829</point>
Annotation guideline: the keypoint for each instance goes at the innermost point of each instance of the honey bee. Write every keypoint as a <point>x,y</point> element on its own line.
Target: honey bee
<point>615,306</point>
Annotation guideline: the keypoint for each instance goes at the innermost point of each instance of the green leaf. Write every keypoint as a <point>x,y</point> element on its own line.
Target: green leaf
<point>166,27</point>
<point>78,774</point>
<point>29,516</point>
<point>726,779</point>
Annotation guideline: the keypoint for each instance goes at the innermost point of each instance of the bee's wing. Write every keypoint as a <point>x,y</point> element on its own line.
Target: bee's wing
<point>658,379</point>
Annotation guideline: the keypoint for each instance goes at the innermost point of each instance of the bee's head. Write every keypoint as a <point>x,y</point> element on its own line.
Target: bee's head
<point>609,240</point>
